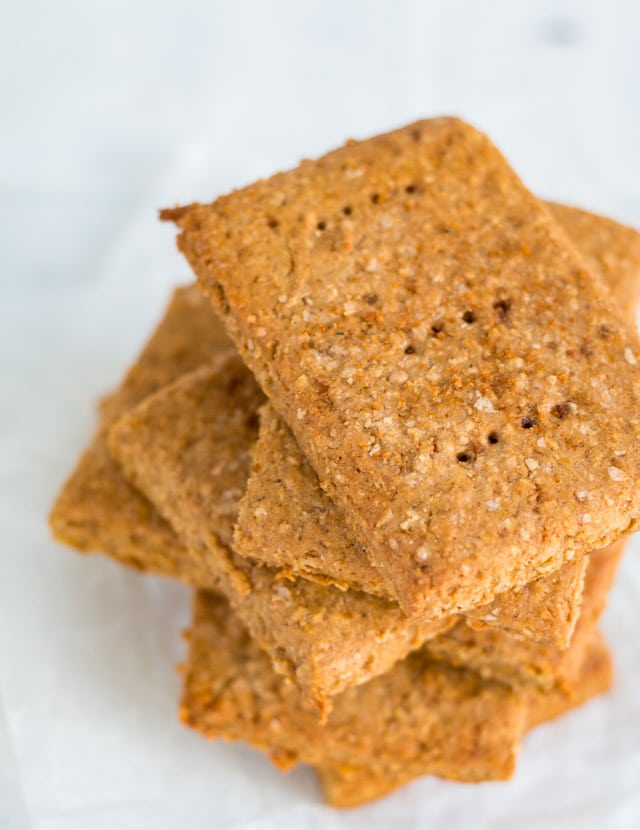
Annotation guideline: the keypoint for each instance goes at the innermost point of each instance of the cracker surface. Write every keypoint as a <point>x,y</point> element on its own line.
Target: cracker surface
<point>403,299</point>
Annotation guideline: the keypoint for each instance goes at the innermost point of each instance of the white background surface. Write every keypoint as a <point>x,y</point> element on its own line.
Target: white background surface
<point>111,109</point>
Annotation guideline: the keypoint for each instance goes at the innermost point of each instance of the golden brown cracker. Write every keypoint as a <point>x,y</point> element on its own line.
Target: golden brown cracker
<point>497,656</point>
<point>420,716</point>
<point>186,448</point>
<point>351,785</point>
<point>404,299</point>
<point>611,249</point>
<point>285,519</point>
<point>97,509</point>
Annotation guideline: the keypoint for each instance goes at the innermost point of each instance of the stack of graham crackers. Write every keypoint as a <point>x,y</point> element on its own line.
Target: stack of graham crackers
<point>404,504</point>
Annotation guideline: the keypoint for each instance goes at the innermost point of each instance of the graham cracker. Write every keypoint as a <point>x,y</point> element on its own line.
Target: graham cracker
<point>349,785</point>
<point>610,248</point>
<point>282,484</point>
<point>420,716</point>
<point>286,520</point>
<point>404,301</point>
<point>97,509</point>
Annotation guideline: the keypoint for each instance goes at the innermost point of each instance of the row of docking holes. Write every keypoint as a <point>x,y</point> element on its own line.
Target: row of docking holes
<point>559,411</point>
<point>502,306</point>
<point>375,199</point>
<point>347,210</point>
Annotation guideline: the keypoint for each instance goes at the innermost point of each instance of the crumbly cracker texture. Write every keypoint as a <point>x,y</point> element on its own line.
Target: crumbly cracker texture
<point>285,519</point>
<point>419,719</point>
<point>97,509</point>
<point>187,449</point>
<point>351,785</point>
<point>611,250</point>
<point>404,299</point>
<point>420,716</point>
<point>520,663</point>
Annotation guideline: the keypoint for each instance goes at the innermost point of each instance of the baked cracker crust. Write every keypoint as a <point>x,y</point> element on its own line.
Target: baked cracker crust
<point>97,509</point>
<point>401,300</point>
<point>420,716</point>
<point>519,663</point>
<point>286,520</point>
<point>349,785</point>
<point>186,448</point>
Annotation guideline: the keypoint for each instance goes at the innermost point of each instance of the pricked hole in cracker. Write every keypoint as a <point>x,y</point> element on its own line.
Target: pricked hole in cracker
<point>253,421</point>
<point>347,210</point>
<point>469,316</point>
<point>410,188</point>
<point>321,226</point>
<point>604,331</point>
<point>561,410</point>
<point>528,422</point>
<point>437,328</point>
<point>502,306</point>
<point>493,437</point>
<point>375,198</point>
<point>410,350</point>
<point>466,456</point>
<point>272,223</point>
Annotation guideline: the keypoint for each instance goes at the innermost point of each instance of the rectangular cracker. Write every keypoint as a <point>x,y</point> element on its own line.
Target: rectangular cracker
<point>420,718</point>
<point>97,509</point>
<point>401,300</point>
<point>349,785</point>
<point>611,249</point>
<point>286,520</point>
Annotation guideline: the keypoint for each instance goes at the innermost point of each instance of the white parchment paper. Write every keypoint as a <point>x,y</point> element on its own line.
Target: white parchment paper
<point>110,110</point>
